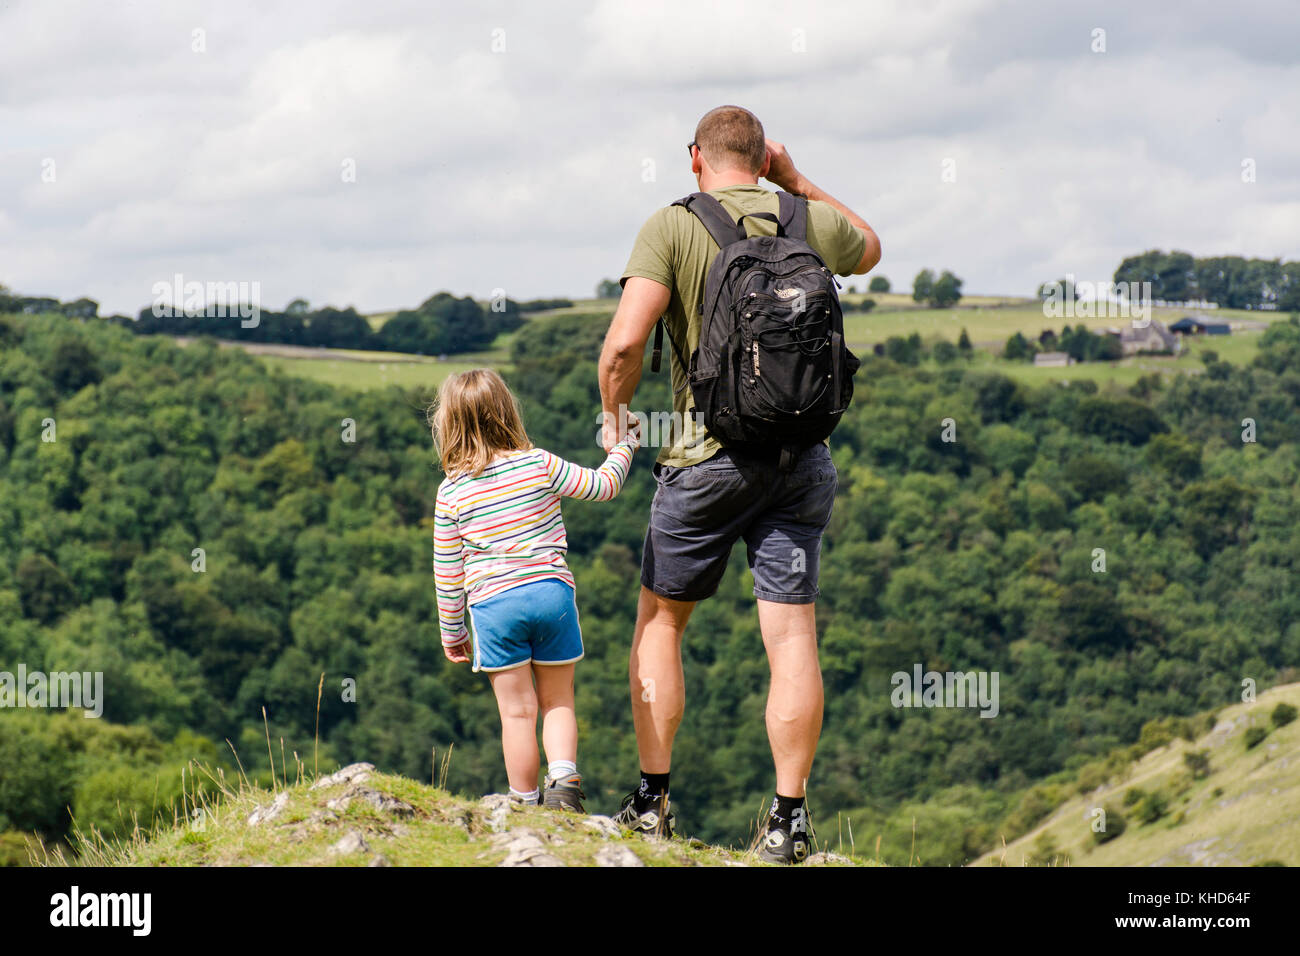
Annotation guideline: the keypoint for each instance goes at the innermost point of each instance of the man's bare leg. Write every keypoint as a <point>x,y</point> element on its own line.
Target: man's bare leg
<point>655,677</point>
<point>795,698</point>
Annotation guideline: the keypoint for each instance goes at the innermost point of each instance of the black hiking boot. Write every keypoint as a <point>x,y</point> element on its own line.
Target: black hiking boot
<point>783,847</point>
<point>564,793</point>
<point>656,821</point>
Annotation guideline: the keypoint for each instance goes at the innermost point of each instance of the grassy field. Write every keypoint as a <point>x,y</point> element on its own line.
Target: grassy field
<point>377,373</point>
<point>1242,812</point>
<point>988,320</point>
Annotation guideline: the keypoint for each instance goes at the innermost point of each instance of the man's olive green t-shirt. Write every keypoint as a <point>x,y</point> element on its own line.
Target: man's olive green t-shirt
<point>674,249</point>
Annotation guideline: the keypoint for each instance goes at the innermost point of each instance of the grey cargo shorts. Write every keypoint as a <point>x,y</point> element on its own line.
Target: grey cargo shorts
<point>699,511</point>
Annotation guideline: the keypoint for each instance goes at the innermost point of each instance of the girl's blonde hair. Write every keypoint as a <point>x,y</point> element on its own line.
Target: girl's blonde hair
<point>475,418</point>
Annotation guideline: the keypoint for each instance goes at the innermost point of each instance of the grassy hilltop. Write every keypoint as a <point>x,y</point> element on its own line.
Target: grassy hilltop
<point>359,817</point>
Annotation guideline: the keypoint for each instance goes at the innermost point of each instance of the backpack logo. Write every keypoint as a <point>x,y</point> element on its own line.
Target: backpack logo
<point>785,293</point>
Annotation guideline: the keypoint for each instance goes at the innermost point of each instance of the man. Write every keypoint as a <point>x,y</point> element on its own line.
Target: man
<point>709,497</point>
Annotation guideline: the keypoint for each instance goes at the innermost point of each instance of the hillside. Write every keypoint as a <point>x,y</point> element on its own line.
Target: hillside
<point>214,536</point>
<point>359,817</point>
<point>1241,812</point>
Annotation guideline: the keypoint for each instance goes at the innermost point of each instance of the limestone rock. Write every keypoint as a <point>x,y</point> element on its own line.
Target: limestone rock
<point>352,773</point>
<point>270,811</point>
<point>383,802</point>
<point>526,848</point>
<point>498,807</point>
<point>603,825</point>
<point>826,857</point>
<point>352,842</point>
<point>615,854</point>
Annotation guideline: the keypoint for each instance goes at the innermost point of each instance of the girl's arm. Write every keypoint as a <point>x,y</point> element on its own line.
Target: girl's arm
<point>593,484</point>
<point>449,573</point>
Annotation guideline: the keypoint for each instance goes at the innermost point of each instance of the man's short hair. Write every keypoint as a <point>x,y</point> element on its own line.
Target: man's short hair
<point>731,137</point>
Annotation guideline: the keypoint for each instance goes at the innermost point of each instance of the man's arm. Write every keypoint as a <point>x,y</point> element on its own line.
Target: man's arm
<point>780,170</point>
<point>643,301</point>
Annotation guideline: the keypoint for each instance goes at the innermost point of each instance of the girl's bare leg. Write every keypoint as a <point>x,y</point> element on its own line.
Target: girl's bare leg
<point>517,703</point>
<point>559,722</point>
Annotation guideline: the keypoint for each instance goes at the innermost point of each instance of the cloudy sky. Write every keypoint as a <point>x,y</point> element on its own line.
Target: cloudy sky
<point>520,145</point>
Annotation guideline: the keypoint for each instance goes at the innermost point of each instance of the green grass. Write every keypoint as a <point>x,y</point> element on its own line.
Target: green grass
<point>1242,813</point>
<point>371,374</point>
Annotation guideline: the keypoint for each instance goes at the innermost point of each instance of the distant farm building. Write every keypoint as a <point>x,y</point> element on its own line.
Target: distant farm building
<point>1052,359</point>
<point>1152,337</point>
<point>1199,325</point>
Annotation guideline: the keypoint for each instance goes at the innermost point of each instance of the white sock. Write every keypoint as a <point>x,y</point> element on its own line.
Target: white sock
<point>530,797</point>
<point>561,768</point>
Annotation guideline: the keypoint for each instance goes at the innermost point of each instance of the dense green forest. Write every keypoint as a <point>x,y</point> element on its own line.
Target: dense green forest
<point>973,554</point>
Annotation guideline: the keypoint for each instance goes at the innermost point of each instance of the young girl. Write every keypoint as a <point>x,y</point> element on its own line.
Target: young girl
<point>499,545</point>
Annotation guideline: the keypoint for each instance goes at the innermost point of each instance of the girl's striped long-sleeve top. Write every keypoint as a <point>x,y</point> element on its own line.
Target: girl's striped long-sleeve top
<point>503,528</point>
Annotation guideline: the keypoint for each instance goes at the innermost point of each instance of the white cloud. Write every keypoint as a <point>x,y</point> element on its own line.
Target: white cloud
<point>524,169</point>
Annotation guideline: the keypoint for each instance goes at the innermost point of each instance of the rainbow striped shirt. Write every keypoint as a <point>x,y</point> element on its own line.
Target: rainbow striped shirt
<point>503,528</point>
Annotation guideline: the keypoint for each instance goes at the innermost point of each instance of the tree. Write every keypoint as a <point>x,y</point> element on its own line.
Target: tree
<point>608,289</point>
<point>945,352</point>
<point>963,342</point>
<point>922,285</point>
<point>1061,287</point>
<point>82,308</point>
<point>946,291</point>
<point>73,366</point>
<point>45,590</point>
<point>878,284</point>
<point>1017,348</point>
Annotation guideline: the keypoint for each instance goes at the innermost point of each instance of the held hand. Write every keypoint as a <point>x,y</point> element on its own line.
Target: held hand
<point>608,432</point>
<point>780,170</point>
<point>458,653</point>
<point>633,427</point>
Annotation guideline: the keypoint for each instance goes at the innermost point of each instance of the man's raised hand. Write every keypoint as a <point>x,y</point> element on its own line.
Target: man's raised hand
<point>780,168</point>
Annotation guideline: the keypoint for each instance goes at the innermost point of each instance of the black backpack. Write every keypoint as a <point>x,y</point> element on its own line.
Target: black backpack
<point>771,370</point>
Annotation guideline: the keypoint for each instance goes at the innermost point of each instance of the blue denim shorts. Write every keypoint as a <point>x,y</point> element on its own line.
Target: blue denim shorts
<point>533,623</point>
<point>700,511</point>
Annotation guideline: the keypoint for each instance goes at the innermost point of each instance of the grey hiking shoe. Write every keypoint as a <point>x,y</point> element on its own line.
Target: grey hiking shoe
<point>564,793</point>
<point>657,821</point>
<point>517,801</point>
<point>779,846</point>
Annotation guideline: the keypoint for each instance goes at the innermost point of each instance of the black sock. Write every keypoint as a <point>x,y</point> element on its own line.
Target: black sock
<point>786,811</point>
<point>653,786</point>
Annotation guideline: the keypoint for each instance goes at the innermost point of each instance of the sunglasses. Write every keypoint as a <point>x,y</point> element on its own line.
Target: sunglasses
<point>690,146</point>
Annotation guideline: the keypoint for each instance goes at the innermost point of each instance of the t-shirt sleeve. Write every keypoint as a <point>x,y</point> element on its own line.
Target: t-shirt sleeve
<point>840,243</point>
<point>568,480</point>
<point>449,571</point>
<point>652,254</point>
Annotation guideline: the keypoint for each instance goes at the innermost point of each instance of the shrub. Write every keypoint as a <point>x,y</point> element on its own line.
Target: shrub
<point>1115,825</point>
<point>1282,715</point>
<point>1151,807</point>
<point>1253,736</point>
<point>1037,803</point>
<point>1198,763</point>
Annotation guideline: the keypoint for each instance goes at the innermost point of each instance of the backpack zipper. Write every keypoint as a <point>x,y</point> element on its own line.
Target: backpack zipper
<point>756,371</point>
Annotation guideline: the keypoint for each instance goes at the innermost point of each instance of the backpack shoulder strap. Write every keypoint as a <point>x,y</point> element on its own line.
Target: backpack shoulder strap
<point>716,219</point>
<point>793,215</point>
